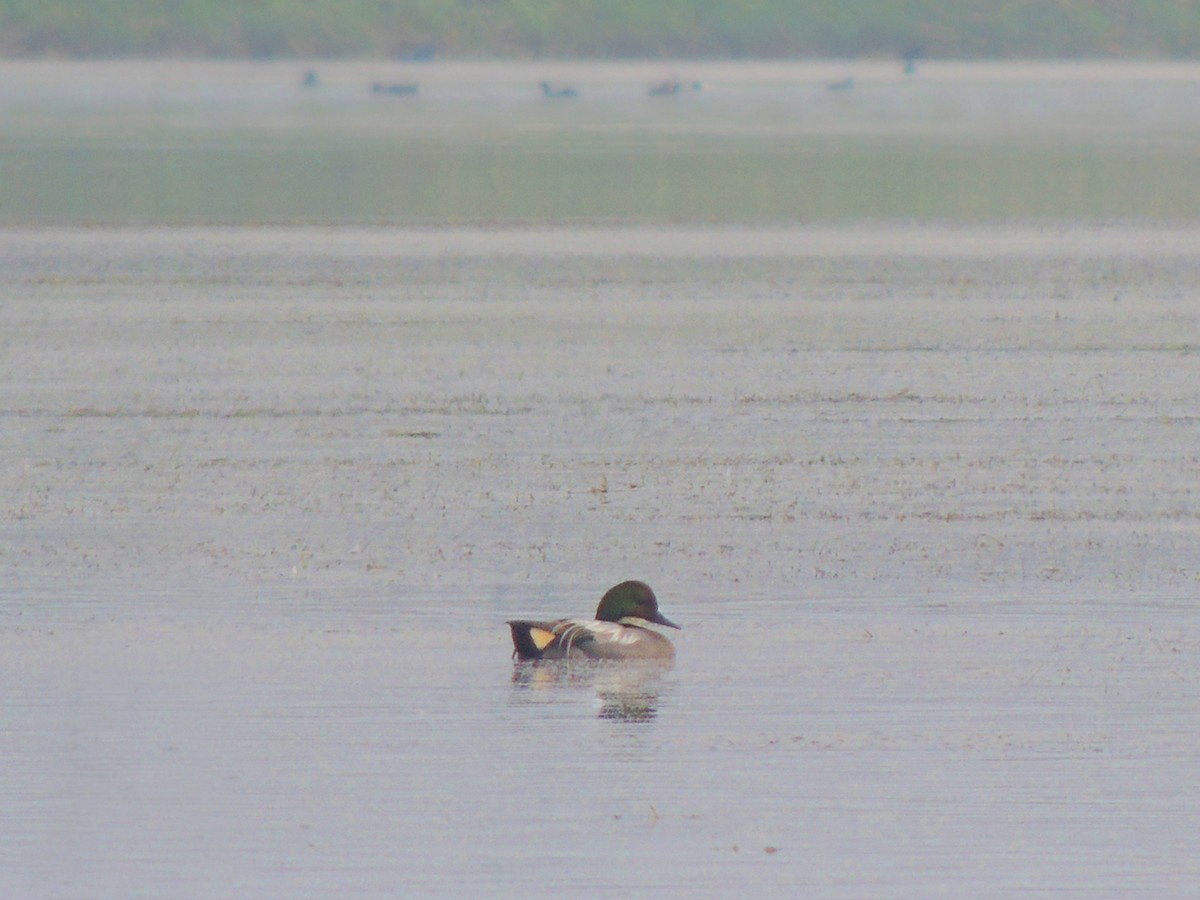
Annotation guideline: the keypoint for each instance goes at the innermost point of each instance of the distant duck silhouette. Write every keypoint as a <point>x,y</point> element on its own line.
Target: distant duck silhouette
<point>844,85</point>
<point>396,89</point>
<point>549,90</point>
<point>668,88</point>
<point>420,53</point>
<point>310,79</point>
<point>910,57</point>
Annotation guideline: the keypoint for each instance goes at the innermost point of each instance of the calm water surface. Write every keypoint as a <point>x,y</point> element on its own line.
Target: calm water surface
<point>923,495</point>
<point>870,750</point>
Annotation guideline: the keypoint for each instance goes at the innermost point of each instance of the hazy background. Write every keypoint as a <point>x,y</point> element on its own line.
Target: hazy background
<point>601,28</point>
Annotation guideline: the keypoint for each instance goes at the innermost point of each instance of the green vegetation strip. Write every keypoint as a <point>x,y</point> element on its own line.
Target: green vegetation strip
<point>600,28</point>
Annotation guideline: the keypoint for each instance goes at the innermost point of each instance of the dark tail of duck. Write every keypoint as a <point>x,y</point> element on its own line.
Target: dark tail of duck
<point>529,639</point>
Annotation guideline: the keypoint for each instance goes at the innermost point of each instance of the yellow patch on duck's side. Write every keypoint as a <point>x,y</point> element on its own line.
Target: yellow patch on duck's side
<point>541,637</point>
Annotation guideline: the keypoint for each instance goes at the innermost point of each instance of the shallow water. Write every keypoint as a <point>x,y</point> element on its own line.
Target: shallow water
<point>867,752</point>
<point>225,142</point>
<point>924,504</point>
<point>922,494</point>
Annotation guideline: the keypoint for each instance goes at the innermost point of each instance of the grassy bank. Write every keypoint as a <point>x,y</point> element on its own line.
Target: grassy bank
<point>601,28</point>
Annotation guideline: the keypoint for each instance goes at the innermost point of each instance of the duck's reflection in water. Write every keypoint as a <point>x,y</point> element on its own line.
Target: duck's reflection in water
<point>625,691</point>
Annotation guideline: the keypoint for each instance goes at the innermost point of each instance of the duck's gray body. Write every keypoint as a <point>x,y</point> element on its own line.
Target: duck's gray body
<point>619,631</point>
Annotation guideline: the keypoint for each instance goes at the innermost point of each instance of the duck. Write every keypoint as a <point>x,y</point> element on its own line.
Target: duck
<point>398,89</point>
<point>550,91</point>
<point>619,631</point>
<point>667,88</point>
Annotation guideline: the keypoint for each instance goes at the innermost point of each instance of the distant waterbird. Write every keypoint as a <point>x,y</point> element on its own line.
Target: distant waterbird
<point>910,57</point>
<point>550,91</point>
<point>396,89</point>
<point>670,87</point>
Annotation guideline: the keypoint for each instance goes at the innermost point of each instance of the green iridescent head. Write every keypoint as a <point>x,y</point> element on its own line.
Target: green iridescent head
<point>631,600</point>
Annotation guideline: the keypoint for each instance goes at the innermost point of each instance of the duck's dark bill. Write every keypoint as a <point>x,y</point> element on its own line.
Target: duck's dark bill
<point>660,619</point>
